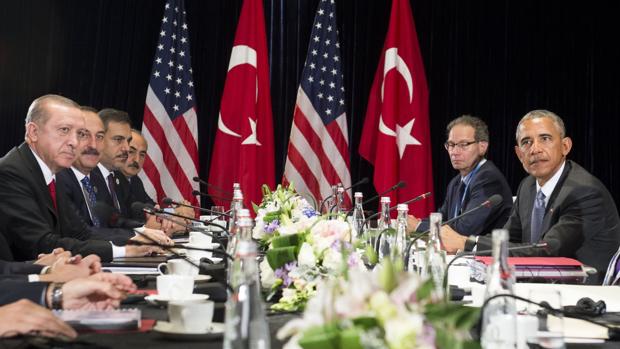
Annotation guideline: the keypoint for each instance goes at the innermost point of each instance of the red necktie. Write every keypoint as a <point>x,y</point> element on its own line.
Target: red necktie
<point>52,188</point>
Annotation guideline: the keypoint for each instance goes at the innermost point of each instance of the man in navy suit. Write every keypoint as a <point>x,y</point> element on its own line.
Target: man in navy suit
<point>478,179</point>
<point>559,203</point>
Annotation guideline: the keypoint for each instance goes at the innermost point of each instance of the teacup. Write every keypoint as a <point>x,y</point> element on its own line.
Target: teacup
<point>177,267</point>
<point>191,316</point>
<point>175,286</point>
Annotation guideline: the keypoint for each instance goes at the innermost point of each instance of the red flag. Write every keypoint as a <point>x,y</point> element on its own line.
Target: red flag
<point>396,136</point>
<point>243,150</point>
<point>170,124</point>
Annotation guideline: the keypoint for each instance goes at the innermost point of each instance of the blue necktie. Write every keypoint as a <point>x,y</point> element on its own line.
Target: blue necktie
<point>92,199</point>
<point>538,213</point>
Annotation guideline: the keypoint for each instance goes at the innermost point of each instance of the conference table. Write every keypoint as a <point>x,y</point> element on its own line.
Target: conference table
<point>148,338</point>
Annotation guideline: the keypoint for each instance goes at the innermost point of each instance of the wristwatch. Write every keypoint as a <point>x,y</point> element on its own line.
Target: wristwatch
<point>57,296</point>
<point>471,242</point>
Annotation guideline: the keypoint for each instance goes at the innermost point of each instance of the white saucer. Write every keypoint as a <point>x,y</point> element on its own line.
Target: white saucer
<point>166,329</point>
<point>211,245</point>
<point>158,300</point>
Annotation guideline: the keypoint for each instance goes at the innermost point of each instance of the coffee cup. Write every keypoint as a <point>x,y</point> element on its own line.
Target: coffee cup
<point>177,267</point>
<point>199,238</point>
<point>175,286</point>
<point>191,316</point>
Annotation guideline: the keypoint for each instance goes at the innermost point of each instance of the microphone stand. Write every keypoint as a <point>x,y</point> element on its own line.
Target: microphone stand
<point>172,202</point>
<point>223,191</point>
<point>163,213</point>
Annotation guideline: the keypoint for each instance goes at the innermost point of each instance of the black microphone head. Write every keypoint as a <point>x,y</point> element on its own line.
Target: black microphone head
<point>363,180</point>
<point>196,179</point>
<point>138,206</point>
<point>196,192</point>
<point>400,184</point>
<point>167,201</point>
<point>494,200</point>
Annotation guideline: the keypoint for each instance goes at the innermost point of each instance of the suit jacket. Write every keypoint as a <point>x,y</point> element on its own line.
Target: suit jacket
<point>30,223</point>
<point>487,181</point>
<point>581,220</point>
<point>137,192</point>
<point>68,184</point>
<point>19,268</point>
<point>14,290</point>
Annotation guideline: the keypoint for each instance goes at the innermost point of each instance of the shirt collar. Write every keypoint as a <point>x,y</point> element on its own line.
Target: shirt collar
<point>78,174</point>
<point>548,187</point>
<point>104,171</point>
<point>468,177</point>
<point>47,173</point>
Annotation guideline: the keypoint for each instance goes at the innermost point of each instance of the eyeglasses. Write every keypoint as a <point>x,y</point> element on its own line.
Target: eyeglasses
<point>460,146</point>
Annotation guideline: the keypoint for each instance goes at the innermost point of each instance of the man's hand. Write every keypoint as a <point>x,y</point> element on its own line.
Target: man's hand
<point>24,316</point>
<point>66,269</point>
<point>89,294</point>
<point>412,223</point>
<point>451,240</point>
<point>120,281</point>
<point>150,236</point>
<point>49,258</point>
<point>139,251</point>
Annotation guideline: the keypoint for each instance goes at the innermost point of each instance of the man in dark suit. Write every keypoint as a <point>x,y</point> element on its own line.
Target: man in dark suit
<point>478,179</point>
<point>135,161</point>
<point>559,203</point>
<point>34,218</point>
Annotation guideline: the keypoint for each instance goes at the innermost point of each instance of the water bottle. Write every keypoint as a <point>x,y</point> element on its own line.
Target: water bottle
<point>385,238</point>
<point>358,217</point>
<point>246,326</point>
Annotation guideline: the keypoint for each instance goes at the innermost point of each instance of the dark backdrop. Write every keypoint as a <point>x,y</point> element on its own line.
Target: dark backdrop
<point>495,59</point>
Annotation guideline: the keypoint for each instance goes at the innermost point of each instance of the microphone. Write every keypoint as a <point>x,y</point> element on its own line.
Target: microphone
<point>400,184</point>
<point>490,202</point>
<point>164,215</point>
<point>169,201</point>
<point>217,188</point>
<point>199,193</point>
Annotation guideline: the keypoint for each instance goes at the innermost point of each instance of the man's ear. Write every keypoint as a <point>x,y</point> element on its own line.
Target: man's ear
<point>567,145</point>
<point>32,132</point>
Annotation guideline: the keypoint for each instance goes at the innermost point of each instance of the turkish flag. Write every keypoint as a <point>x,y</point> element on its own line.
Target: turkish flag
<point>243,151</point>
<point>396,136</point>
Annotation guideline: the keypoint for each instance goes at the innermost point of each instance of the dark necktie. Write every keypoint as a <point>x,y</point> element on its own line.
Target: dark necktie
<point>92,199</point>
<point>538,213</point>
<point>616,271</point>
<point>461,192</point>
<point>112,185</point>
<point>52,189</point>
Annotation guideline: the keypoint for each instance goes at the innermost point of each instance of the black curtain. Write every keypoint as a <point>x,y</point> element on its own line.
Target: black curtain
<point>493,59</point>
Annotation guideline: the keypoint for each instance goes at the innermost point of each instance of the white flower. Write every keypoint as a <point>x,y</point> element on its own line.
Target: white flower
<point>267,276</point>
<point>332,260</point>
<point>325,232</point>
<point>401,332</point>
<point>306,256</point>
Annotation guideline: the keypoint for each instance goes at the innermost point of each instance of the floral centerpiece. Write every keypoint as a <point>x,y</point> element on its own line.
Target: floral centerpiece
<point>384,308</point>
<point>302,246</point>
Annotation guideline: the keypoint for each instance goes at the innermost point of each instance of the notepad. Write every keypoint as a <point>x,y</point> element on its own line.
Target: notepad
<point>94,320</point>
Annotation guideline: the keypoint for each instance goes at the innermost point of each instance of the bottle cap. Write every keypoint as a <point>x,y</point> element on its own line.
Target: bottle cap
<point>358,194</point>
<point>385,199</point>
<point>402,207</point>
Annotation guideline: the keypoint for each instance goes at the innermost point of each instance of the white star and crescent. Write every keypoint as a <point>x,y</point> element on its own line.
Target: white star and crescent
<point>401,133</point>
<point>242,54</point>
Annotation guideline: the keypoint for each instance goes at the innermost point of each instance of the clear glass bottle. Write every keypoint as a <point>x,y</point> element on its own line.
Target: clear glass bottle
<point>238,233</point>
<point>435,258</point>
<point>385,238</point>
<point>400,240</point>
<point>358,216</point>
<point>339,206</point>
<point>236,204</point>
<point>499,315</point>
<point>246,326</point>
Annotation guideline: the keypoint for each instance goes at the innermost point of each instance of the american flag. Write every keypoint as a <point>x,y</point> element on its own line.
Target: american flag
<point>318,149</point>
<point>170,123</point>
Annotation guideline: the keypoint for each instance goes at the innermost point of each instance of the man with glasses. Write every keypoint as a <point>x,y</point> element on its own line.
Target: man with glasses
<point>478,179</point>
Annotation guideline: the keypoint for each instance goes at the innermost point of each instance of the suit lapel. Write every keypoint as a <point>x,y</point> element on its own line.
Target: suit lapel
<point>556,196</point>
<point>37,175</point>
<point>526,203</point>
